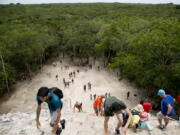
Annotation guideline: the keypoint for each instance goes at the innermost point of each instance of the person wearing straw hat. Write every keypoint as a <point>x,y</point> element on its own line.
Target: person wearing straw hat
<point>137,109</point>
<point>167,108</point>
<point>135,118</point>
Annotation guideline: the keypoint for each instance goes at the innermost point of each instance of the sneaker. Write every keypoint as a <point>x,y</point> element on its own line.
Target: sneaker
<point>161,127</point>
<point>63,124</point>
<point>58,132</point>
<point>117,131</point>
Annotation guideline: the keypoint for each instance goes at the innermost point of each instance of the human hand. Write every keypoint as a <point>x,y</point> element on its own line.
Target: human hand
<point>38,124</point>
<point>166,117</point>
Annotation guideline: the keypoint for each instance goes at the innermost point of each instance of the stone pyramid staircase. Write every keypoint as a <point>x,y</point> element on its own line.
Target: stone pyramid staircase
<point>76,124</point>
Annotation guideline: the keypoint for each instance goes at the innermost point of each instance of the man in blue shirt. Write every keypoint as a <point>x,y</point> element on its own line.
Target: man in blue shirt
<point>167,108</point>
<point>54,104</point>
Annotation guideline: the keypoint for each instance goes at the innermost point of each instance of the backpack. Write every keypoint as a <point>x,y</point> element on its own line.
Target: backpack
<point>134,112</point>
<point>57,91</point>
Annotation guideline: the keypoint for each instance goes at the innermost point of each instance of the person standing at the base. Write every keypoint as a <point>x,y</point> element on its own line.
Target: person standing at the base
<point>55,105</point>
<point>167,108</point>
<point>112,106</point>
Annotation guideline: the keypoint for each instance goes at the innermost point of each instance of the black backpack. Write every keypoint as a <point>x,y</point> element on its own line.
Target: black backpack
<point>57,91</point>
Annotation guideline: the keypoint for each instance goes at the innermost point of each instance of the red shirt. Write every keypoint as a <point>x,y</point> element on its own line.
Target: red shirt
<point>147,107</point>
<point>178,99</point>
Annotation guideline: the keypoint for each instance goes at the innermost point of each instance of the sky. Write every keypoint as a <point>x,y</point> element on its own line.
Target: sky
<point>87,1</point>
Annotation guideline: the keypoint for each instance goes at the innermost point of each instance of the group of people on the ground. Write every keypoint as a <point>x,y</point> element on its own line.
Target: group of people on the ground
<point>138,117</point>
<point>107,106</point>
<point>107,95</point>
<point>93,97</point>
<point>72,76</point>
<point>89,85</point>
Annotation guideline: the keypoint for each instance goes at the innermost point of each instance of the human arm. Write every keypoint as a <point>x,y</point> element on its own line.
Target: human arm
<point>168,110</point>
<point>120,120</point>
<point>129,118</point>
<point>38,111</point>
<point>124,129</point>
<point>174,100</point>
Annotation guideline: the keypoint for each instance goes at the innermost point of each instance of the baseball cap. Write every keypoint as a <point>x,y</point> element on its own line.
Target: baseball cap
<point>161,92</point>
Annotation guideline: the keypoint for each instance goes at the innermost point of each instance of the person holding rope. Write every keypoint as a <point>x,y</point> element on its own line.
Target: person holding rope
<point>167,108</point>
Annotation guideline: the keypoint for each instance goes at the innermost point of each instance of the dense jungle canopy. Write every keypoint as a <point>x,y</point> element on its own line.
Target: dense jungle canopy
<point>141,40</point>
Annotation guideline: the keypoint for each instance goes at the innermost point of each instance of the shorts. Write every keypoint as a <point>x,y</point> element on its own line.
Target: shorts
<point>134,120</point>
<point>125,118</point>
<point>108,113</point>
<point>53,117</point>
<point>161,116</point>
<point>145,125</point>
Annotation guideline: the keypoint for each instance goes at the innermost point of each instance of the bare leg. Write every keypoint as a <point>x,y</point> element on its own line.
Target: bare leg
<point>106,119</point>
<point>160,122</point>
<point>166,122</point>
<point>160,117</point>
<point>120,120</point>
